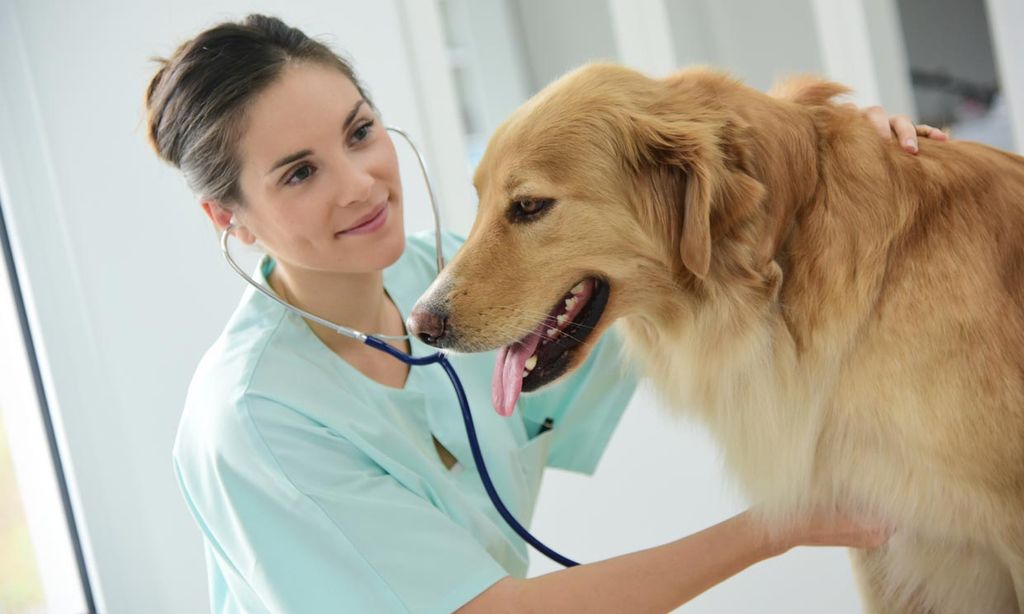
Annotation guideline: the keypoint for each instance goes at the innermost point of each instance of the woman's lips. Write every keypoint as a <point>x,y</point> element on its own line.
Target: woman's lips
<point>368,224</point>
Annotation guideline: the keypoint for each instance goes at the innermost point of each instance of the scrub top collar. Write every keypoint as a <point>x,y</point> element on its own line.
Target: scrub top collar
<point>403,294</point>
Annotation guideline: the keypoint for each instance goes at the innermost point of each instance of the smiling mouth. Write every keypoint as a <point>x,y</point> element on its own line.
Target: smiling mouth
<point>544,355</point>
<point>368,224</point>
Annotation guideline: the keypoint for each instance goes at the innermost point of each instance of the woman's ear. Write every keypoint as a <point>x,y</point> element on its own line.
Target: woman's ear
<point>223,216</point>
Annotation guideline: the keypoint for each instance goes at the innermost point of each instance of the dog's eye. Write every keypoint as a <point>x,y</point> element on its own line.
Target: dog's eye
<point>526,208</point>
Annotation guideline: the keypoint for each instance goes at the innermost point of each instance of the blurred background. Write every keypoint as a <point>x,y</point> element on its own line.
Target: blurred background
<point>112,285</point>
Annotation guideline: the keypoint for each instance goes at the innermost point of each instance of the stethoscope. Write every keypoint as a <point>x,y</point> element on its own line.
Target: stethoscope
<point>377,342</point>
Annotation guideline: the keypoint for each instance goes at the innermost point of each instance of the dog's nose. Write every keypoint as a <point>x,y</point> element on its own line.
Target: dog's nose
<point>429,324</point>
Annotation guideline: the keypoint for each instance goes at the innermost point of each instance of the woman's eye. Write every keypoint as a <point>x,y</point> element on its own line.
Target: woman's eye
<point>362,132</point>
<point>301,174</point>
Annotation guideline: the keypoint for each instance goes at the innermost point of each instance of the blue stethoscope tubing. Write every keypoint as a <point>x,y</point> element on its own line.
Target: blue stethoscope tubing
<point>377,342</point>
<point>474,443</point>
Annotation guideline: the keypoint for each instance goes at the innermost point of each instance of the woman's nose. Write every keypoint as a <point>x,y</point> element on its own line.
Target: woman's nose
<point>355,183</point>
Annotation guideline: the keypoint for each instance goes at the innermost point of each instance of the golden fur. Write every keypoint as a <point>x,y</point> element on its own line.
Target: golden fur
<point>846,318</point>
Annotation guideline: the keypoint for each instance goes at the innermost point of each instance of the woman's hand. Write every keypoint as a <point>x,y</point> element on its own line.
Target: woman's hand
<point>828,527</point>
<point>662,578</point>
<point>902,127</point>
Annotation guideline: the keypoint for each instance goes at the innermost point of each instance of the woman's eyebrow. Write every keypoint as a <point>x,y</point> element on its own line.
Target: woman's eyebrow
<point>352,114</point>
<point>305,152</point>
<point>289,159</point>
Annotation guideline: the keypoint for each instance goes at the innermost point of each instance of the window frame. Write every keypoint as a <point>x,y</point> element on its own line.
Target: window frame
<point>53,455</point>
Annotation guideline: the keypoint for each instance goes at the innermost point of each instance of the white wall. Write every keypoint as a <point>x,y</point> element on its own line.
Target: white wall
<point>484,33</point>
<point>559,36</point>
<point>889,60</point>
<point>124,278</point>
<point>862,47</point>
<point>1006,18</point>
<point>744,38</point>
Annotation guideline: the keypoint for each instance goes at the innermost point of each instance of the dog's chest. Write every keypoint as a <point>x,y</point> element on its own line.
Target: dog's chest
<point>748,392</point>
<point>798,431</point>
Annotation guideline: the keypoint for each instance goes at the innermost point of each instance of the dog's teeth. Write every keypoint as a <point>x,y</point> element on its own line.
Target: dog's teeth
<point>531,362</point>
<point>562,319</point>
<point>552,332</point>
<point>578,288</point>
<point>570,303</point>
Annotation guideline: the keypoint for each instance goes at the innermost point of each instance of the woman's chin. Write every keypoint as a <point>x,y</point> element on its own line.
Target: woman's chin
<point>393,246</point>
<point>385,250</point>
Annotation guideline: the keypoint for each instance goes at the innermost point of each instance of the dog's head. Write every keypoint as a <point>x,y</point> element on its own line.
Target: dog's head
<point>596,196</point>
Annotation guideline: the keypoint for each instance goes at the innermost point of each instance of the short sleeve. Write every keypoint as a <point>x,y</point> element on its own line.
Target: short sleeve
<point>585,407</point>
<point>299,519</point>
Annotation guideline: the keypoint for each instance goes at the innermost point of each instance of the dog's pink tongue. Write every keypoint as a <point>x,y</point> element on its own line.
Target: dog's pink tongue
<point>508,373</point>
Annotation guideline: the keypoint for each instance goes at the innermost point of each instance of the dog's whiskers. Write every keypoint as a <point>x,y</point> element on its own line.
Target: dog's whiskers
<point>546,318</point>
<point>516,328</point>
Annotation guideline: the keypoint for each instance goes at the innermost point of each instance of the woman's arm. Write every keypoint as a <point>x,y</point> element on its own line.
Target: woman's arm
<point>662,578</point>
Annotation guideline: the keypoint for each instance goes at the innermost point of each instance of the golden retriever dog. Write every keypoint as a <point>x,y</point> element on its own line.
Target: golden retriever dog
<point>847,319</point>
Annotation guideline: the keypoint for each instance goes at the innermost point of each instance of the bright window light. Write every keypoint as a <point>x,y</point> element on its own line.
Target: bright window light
<point>40,562</point>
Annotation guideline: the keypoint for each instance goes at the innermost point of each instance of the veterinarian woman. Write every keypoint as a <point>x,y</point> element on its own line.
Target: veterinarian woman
<point>324,475</point>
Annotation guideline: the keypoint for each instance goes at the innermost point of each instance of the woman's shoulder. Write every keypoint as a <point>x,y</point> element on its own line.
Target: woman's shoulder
<point>253,380</point>
<point>216,407</point>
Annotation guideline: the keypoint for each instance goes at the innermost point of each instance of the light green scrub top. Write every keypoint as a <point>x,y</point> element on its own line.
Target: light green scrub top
<point>318,489</point>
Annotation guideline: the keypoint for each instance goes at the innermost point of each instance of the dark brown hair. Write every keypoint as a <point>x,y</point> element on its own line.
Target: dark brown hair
<point>196,101</point>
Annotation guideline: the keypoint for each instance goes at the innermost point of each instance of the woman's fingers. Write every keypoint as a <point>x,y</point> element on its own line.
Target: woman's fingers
<point>880,120</point>
<point>931,132</point>
<point>905,131</point>
<point>902,127</point>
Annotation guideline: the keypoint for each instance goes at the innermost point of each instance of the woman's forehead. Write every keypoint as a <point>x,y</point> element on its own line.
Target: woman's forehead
<point>303,104</point>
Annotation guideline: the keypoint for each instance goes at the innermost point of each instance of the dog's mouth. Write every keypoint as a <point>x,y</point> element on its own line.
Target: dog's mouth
<point>544,355</point>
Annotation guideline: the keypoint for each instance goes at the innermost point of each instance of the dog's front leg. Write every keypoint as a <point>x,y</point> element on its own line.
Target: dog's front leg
<point>870,570</point>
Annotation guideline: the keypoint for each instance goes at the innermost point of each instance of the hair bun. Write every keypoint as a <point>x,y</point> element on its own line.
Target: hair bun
<point>155,108</point>
<point>196,100</point>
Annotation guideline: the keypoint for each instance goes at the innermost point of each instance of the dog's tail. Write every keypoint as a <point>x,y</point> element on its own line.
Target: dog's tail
<point>808,90</point>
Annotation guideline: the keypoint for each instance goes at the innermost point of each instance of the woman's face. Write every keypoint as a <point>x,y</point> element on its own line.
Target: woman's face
<point>319,176</point>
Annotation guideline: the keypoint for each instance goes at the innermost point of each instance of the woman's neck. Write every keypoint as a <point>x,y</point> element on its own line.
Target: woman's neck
<point>355,300</point>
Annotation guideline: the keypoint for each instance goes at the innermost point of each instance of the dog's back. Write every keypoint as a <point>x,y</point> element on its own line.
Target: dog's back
<point>928,412</point>
<point>929,253</point>
<point>903,301</point>
<point>858,338</point>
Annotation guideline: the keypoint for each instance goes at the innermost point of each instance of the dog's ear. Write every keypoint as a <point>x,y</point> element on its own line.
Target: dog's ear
<point>695,242</point>
<point>715,162</point>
